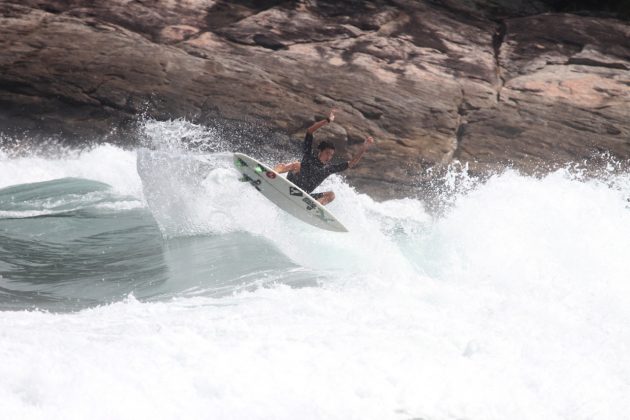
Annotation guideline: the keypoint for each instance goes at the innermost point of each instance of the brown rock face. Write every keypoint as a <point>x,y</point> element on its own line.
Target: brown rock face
<point>564,94</point>
<point>431,81</point>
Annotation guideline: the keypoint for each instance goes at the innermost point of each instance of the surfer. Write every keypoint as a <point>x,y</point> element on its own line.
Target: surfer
<point>313,170</point>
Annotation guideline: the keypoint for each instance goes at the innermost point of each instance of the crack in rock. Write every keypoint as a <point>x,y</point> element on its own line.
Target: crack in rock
<point>498,38</point>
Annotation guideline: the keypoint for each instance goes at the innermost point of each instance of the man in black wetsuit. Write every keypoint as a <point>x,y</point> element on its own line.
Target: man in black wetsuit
<point>313,170</point>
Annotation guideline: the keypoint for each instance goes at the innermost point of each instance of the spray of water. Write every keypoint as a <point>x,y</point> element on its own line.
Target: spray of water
<point>511,303</point>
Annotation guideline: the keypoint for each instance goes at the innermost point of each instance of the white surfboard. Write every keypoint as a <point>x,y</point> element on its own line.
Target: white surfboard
<point>285,194</point>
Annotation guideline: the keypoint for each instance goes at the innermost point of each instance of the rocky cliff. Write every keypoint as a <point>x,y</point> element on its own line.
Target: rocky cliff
<point>485,83</point>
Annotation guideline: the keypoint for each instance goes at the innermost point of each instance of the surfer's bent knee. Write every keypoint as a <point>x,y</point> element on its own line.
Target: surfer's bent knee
<point>326,198</point>
<point>288,167</point>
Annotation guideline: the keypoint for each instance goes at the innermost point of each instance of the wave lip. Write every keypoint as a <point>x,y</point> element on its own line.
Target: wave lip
<point>55,197</point>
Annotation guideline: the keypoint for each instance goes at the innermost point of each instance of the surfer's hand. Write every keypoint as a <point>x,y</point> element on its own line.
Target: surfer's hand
<point>331,115</point>
<point>368,142</point>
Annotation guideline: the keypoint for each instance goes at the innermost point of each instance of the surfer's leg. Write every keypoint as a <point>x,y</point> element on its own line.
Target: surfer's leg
<point>287,167</point>
<point>326,197</point>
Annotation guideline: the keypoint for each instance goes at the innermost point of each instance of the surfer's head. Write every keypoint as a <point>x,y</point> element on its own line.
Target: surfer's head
<point>326,151</point>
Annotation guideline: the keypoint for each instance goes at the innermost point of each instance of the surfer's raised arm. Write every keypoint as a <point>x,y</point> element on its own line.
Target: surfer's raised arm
<point>366,144</point>
<point>319,124</point>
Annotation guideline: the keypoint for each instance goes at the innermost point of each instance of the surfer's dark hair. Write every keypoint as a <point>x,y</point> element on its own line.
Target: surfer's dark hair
<point>325,145</point>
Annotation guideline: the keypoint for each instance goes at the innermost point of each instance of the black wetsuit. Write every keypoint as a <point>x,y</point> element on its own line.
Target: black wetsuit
<point>312,171</point>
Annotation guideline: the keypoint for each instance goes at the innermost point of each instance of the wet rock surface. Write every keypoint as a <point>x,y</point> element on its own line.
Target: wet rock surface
<point>432,81</point>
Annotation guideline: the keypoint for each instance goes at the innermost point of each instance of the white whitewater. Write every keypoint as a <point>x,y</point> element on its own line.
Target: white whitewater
<point>513,304</point>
